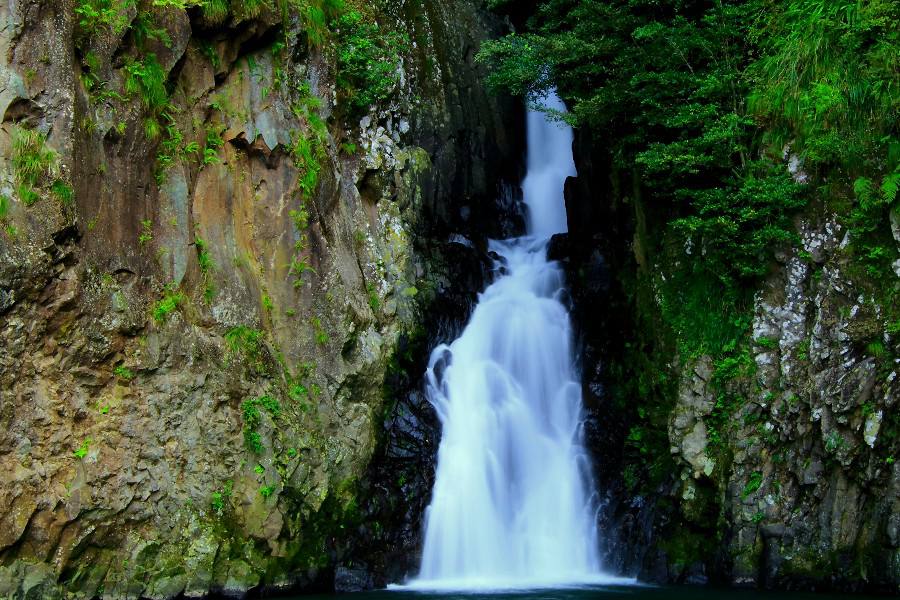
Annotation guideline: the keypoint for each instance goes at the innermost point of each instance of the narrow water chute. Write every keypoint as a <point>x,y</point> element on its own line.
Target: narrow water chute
<point>513,503</point>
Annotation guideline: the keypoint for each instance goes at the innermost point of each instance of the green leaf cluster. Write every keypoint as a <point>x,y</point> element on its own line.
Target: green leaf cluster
<point>665,84</point>
<point>35,168</point>
<point>169,303</point>
<point>250,410</point>
<point>730,116</point>
<point>370,61</point>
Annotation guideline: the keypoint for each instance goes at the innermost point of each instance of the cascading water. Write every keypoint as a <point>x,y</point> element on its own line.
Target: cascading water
<point>512,503</point>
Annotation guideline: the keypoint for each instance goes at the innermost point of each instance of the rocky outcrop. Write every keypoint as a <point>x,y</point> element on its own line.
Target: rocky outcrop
<point>202,306</point>
<point>773,466</point>
<point>814,488</point>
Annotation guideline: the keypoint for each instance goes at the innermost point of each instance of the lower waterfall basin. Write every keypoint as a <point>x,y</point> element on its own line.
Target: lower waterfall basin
<point>600,592</point>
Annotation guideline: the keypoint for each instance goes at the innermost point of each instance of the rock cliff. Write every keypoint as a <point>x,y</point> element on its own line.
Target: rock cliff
<point>770,465</point>
<point>220,231</point>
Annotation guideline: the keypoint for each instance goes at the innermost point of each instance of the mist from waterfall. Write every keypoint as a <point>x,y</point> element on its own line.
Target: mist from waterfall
<point>513,504</point>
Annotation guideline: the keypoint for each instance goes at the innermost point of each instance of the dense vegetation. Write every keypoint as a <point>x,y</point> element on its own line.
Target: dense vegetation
<point>711,106</point>
<point>706,99</point>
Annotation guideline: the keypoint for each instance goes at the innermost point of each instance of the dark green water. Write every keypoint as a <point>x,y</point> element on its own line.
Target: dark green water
<point>632,592</point>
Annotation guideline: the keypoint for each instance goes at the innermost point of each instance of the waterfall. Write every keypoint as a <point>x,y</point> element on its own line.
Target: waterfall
<point>513,504</point>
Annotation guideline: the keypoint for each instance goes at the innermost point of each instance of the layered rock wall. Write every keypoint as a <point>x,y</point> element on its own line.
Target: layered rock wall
<point>195,338</point>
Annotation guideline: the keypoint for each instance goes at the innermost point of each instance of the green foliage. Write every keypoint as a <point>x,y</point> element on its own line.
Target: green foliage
<point>35,166</point>
<point>369,61</point>
<point>753,484</point>
<point>97,88</point>
<point>247,343</point>
<point>828,80</point>
<point>828,84</point>
<point>308,148</point>
<point>215,11</point>
<point>207,266</point>
<point>83,450</point>
<point>146,234</point>
<point>316,15</point>
<point>870,221</point>
<point>244,340</point>
<point>307,157</point>
<point>203,258</point>
<point>123,372</point>
<point>169,303</point>
<point>220,497</point>
<point>144,28</point>
<point>834,442</point>
<point>147,79</point>
<point>173,146</point>
<point>98,15</point>
<point>766,343</point>
<point>250,409</point>
<point>63,191</point>
<point>300,262</point>
<point>721,418</point>
<point>733,366</point>
<point>706,317</point>
<point>321,335</point>
<point>666,87</point>
<point>267,303</point>
<point>214,142</point>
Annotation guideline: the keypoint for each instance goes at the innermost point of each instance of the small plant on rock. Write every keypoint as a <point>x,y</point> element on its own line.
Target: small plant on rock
<point>83,450</point>
<point>123,372</point>
<point>169,303</point>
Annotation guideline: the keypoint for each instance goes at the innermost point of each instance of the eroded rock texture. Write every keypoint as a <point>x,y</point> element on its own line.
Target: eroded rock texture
<point>194,345</point>
<point>774,466</point>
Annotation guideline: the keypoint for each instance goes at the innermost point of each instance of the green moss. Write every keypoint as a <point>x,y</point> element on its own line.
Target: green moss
<point>374,300</point>
<point>684,548</point>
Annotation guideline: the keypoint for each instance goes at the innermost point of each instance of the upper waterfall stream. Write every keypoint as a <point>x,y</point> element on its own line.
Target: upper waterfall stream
<point>513,505</point>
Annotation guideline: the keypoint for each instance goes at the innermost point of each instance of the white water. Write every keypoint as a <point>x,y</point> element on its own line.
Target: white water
<point>512,505</point>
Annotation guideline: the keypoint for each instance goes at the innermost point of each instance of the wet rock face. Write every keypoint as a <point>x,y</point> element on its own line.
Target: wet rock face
<point>799,488</point>
<point>828,483</point>
<point>200,356</point>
